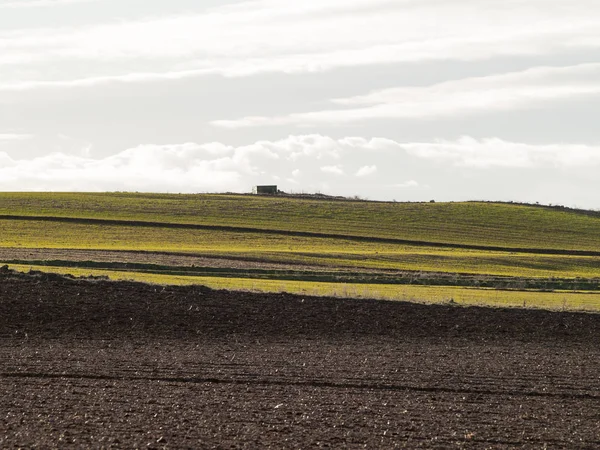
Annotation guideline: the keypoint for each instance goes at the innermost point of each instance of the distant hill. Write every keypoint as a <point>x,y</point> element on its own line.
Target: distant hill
<point>501,225</point>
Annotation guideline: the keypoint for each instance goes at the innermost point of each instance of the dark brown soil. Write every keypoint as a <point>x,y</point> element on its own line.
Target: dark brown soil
<point>122,365</point>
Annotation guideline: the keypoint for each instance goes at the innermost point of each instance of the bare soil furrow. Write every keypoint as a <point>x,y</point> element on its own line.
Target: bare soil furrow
<point>312,383</point>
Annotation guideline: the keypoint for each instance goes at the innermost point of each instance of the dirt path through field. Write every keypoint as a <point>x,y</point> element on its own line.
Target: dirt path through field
<point>124,365</point>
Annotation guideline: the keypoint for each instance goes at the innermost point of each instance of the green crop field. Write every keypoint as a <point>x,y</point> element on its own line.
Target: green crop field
<point>260,242</point>
<point>471,223</point>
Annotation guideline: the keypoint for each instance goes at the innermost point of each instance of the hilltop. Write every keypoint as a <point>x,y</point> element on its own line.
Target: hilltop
<point>501,225</point>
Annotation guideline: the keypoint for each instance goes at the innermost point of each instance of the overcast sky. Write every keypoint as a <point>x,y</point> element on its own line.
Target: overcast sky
<point>385,99</point>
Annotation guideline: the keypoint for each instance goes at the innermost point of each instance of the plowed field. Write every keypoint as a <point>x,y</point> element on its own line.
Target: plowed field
<point>102,364</point>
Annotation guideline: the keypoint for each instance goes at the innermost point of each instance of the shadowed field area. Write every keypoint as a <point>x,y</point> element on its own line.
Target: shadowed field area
<point>98,363</point>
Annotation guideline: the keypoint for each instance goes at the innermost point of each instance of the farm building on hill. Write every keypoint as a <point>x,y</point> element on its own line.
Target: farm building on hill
<point>264,190</point>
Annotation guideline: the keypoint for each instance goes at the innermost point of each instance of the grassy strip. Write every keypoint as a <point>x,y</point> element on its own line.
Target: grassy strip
<point>486,224</point>
<point>581,301</point>
<point>302,234</point>
<point>328,253</point>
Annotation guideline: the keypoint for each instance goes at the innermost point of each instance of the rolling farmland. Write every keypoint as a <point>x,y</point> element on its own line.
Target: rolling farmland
<point>259,242</point>
<point>463,224</point>
<point>229,321</point>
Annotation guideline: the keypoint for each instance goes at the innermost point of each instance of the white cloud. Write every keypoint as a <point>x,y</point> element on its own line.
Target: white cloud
<point>438,165</point>
<point>137,77</point>
<point>14,137</point>
<point>39,3</point>
<point>189,167</point>
<point>406,185</point>
<point>517,90</point>
<point>496,153</point>
<point>216,167</point>
<point>335,170</point>
<point>175,168</point>
<point>281,36</point>
<point>186,167</point>
<point>365,171</point>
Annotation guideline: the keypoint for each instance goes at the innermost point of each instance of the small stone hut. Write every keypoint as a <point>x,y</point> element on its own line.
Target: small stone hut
<point>270,189</point>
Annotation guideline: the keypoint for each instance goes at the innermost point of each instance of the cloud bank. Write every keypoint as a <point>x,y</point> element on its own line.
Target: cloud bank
<point>374,168</point>
<point>518,90</point>
<point>496,153</point>
<point>260,36</point>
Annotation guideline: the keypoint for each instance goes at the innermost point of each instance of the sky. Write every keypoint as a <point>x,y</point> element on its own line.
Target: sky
<point>405,100</point>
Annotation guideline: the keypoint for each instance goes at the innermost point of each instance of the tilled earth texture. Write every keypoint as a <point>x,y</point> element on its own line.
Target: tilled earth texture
<point>99,364</point>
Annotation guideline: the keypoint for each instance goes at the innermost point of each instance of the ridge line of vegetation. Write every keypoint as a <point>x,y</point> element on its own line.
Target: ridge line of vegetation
<point>582,211</point>
<point>237,229</point>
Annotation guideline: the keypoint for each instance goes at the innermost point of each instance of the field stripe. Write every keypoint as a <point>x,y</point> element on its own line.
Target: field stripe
<point>234,229</point>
